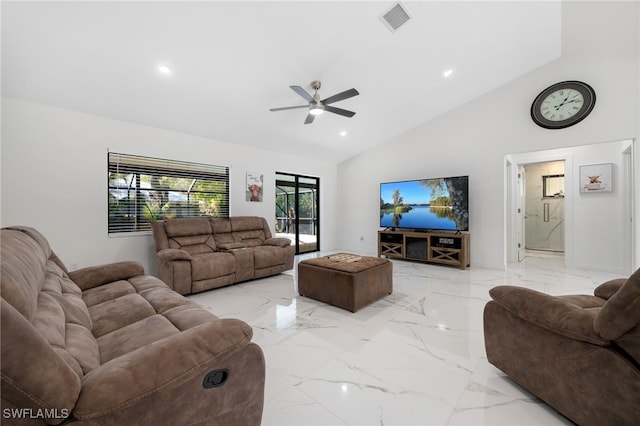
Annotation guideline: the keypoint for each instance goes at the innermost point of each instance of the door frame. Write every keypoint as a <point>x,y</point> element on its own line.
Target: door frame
<point>514,234</point>
<point>297,185</point>
<point>526,204</point>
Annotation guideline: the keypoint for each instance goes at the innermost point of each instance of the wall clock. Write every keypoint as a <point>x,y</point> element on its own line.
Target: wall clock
<point>563,104</point>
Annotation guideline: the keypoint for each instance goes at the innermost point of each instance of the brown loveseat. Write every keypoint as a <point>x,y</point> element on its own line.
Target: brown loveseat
<point>578,353</point>
<point>197,254</point>
<point>108,345</point>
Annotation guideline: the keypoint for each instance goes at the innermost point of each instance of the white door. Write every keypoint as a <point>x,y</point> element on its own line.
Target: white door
<point>522,253</point>
<point>544,206</point>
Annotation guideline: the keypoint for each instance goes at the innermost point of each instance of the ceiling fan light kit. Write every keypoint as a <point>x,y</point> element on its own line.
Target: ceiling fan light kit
<point>316,105</point>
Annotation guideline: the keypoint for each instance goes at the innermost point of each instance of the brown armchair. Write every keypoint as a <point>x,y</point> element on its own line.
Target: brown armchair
<point>578,353</point>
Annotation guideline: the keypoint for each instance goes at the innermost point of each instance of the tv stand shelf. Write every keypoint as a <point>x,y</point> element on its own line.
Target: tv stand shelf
<point>434,247</point>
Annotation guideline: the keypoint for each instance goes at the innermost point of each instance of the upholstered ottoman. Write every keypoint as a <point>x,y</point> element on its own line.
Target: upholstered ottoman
<point>345,280</point>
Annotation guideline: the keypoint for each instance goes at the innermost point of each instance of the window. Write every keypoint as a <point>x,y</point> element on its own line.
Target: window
<point>143,189</point>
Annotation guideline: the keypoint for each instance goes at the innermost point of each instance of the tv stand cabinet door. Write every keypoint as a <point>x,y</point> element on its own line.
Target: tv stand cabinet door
<point>391,244</point>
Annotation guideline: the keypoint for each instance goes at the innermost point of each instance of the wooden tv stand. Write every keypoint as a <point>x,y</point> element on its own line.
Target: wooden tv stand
<point>446,248</point>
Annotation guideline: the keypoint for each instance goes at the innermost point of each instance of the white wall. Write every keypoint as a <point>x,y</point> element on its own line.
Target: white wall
<point>475,138</point>
<point>53,159</point>
<point>597,225</point>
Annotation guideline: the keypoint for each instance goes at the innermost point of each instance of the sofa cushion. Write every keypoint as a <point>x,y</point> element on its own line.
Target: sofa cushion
<point>212,265</point>
<point>42,310</point>
<point>222,232</point>
<point>220,225</point>
<point>192,235</point>
<point>187,227</point>
<point>250,230</point>
<point>249,223</point>
<point>103,293</point>
<point>51,380</point>
<point>35,284</point>
<point>184,317</point>
<point>621,313</point>
<point>250,238</point>
<point>267,256</point>
<point>134,336</point>
<point>117,313</point>
<point>194,244</point>
<point>24,271</point>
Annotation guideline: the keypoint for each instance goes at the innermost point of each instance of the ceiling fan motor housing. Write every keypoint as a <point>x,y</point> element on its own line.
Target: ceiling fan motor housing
<point>316,105</point>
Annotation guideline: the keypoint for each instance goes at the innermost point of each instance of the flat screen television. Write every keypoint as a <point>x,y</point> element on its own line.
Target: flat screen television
<point>426,204</point>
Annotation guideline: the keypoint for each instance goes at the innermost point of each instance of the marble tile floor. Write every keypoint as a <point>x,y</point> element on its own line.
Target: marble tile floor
<point>414,358</point>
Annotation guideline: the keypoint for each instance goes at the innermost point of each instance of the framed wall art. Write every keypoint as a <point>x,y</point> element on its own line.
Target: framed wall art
<point>255,183</point>
<point>596,178</point>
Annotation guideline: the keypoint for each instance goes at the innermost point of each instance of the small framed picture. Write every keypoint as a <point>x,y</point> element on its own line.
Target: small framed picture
<point>596,178</point>
<point>255,182</point>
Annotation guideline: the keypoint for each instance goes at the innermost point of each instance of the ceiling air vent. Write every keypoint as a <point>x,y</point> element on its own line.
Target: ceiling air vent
<point>395,17</point>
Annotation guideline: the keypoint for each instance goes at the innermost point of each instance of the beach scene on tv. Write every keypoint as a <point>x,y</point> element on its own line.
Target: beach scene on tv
<point>434,204</point>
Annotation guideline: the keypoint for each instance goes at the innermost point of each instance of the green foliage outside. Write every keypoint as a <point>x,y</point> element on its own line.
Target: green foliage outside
<point>133,210</point>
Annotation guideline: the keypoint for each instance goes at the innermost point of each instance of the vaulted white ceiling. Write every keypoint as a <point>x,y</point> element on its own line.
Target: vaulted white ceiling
<point>232,61</point>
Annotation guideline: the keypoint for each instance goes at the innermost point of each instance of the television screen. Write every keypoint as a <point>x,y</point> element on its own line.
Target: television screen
<point>433,204</point>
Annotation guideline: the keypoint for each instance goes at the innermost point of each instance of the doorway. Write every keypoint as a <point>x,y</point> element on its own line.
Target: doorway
<point>542,163</point>
<point>298,210</point>
<point>592,221</point>
<point>543,199</point>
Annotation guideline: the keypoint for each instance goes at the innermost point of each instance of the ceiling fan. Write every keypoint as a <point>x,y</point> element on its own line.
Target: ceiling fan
<point>317,106</point>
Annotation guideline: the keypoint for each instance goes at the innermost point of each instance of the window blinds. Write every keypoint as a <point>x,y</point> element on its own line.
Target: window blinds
<point>144,189</point>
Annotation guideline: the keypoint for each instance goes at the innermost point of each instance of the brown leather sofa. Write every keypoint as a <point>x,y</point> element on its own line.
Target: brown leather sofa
<point>578,353</point>
<point>108,345</point>
<point>197,254</point>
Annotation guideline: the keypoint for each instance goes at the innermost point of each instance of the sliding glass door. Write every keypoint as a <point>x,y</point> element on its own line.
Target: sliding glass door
<point>298,210</point>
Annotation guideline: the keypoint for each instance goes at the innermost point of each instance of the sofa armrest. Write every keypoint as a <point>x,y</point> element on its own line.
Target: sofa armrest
<point>173,254</point>
<point>142,382</point>
<point>607,289</point>
<point>94,276</point>
<point>549,312</point>
<point>277,241</point>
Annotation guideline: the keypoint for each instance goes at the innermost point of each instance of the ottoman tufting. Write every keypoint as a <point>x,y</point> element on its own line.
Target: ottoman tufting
<point>345,280</point>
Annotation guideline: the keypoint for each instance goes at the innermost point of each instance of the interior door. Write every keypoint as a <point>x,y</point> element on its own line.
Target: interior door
<point>298,210</point>
<point>522,253</point>
<point>544,206</point>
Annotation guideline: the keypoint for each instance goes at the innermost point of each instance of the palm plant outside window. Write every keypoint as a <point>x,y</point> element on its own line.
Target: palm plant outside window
<point>143,189</point>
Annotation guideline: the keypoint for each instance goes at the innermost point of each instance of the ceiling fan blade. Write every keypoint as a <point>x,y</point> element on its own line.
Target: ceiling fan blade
<point>309,119</point>
<point>339,111</point>
<point>340,96</point>
<point>300,91</point>
<point>286,108</point>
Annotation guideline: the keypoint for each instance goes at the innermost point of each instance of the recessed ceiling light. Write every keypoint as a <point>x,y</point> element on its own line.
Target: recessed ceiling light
<point>447,73</point>
<point>343,133</point>
<point>164,70</point>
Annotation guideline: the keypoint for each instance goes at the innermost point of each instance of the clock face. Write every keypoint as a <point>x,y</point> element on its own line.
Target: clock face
<point>563,104</point>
